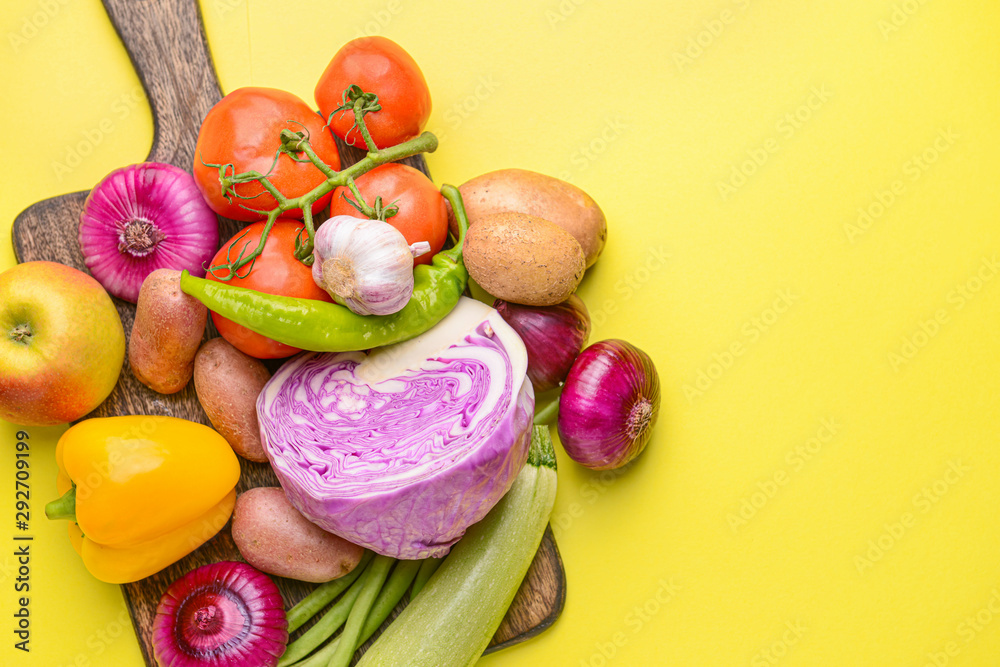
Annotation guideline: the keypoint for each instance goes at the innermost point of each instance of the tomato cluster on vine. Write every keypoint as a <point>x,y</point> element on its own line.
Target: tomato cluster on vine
<point>259,131</point>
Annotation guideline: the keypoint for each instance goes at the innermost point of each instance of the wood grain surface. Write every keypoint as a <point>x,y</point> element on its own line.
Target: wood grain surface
<point>166,42</point>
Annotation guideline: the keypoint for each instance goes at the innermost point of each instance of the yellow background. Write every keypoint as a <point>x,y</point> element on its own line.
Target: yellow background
<point>840,556</point>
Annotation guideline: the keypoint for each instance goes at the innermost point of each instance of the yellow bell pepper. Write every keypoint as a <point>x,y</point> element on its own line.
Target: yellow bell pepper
<point>142,492</point>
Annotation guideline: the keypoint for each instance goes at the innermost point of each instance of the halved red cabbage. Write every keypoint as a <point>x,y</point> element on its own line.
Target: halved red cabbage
<point>402,449</point>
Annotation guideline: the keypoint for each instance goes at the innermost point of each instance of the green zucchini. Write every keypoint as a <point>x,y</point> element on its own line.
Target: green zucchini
<point>457,613</point>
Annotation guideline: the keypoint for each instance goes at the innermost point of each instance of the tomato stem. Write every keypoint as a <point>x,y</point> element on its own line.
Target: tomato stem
<point>304,253</point>
<point>307,148</point>
<point>359,121</point>
<point>359,201</point>
<point>359,102</point>
<point>232,267</point>
<point>278,197</point>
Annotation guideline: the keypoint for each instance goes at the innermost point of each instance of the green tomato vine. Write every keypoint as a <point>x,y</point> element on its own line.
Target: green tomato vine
<point>297,146</point>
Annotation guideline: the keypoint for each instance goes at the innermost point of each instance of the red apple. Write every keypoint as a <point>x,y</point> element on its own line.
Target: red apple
<point>61,344</point>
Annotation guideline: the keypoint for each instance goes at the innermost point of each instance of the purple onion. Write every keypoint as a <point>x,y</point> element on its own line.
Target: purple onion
<point>141,218</point>
<point>609,405</point>
<point>553,336</point>
<point>225,614</point>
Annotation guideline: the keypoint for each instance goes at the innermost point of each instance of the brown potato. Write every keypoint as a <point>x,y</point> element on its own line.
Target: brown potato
<point>168,328</point>
<point>275,538</point>
<point>524,259</point>
<point>228,383</point>
<point>523,191</point>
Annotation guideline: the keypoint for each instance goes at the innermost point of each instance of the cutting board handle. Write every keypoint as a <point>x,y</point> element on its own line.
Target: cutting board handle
<point>166,41</point>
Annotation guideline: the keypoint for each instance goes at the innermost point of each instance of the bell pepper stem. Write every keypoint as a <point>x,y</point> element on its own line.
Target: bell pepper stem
<point>63,507</point>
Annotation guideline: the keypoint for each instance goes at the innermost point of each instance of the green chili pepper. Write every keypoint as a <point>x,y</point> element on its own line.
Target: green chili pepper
<point>319,326</point>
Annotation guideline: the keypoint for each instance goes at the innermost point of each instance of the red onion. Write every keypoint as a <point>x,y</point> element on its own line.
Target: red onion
<point>553,335</point>
<point>224,614</point>
<point>609,405</point>
<point>141,218</point>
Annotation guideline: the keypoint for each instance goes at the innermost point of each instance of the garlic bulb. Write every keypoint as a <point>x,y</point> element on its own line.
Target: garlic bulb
<point>365,265</point>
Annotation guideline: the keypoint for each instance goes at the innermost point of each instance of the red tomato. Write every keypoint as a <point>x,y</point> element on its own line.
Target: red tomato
<point>275,271</point>
<point>244,129</point>
<point>423,215</point>
<point>377,65</point>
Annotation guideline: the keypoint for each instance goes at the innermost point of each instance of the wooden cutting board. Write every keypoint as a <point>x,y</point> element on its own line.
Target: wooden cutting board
<point>166,42</point>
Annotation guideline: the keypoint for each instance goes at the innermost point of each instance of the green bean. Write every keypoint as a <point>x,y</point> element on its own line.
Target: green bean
<point>374,577</point>
<point>328,624</point>
<point>427,568</point>
<point>323,595</point>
